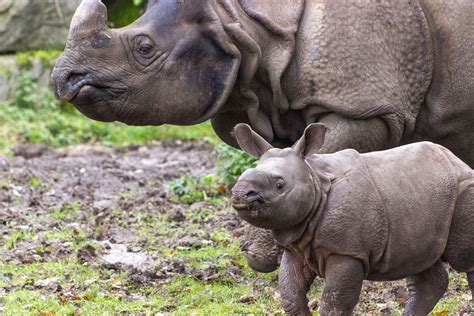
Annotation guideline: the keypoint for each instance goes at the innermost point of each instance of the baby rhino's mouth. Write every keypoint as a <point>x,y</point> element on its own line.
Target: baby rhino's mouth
<point>246,202</point>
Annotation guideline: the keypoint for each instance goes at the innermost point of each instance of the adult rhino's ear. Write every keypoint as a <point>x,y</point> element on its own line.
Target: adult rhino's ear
<point>249,141</point>
<point>311,141</point>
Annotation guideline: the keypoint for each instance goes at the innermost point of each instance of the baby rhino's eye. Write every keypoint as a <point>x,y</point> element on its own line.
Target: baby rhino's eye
<point>280,185</point>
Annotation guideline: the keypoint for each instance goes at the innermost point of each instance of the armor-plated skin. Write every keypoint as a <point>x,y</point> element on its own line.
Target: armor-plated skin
<point>348,216</point>
<point>378,73</point>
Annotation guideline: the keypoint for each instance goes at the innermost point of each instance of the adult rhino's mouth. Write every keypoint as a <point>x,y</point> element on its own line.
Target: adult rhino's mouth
<point>95,101</point>
<point>73,86</point>
<point>88,95</point>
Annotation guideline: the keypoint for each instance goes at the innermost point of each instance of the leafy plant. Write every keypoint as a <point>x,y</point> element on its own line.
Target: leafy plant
<point>124,12</point>
<point>231,163</point>
<point>188,189</point>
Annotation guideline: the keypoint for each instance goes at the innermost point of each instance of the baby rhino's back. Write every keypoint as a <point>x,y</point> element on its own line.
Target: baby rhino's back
<point>418,186</point>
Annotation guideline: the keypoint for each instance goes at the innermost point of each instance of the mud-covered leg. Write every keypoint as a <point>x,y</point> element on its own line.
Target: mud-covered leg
<point>263,253</point>
<point>344,276</point>
<point>295,279</point>
<point>470,281</point>
<point>426,289</point>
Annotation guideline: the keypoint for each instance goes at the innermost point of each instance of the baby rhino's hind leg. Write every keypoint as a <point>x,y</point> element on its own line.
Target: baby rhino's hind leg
<point>426,289</point>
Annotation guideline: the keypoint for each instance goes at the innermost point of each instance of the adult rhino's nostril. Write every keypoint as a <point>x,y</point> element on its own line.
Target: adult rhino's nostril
<point>68,83</point>
<point>75,78</point>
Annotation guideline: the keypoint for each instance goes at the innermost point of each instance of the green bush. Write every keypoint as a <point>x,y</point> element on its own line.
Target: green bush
<point>124,12</point>
<point>188,189</point>
<point>231,163</point>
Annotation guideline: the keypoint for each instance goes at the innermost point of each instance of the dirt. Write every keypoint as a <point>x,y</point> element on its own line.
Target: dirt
<point>84,186</point>
<point>40,180</point>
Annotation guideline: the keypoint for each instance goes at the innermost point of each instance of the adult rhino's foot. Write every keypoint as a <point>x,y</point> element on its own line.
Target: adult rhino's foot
<point>263,253</point>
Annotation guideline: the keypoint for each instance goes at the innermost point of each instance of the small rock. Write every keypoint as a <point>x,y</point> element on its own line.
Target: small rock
<point>29,151</point>
<point>246,299</point>
<point>87,253</point>
<point>103,205</point>
<point>190,242</point>
<point>198,206</point>
<point>177,215</point>
<point>51,284</point>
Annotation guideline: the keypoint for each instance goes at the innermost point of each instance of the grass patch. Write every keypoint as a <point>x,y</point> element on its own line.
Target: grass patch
<point>66,211</point>
<point>187,295</point>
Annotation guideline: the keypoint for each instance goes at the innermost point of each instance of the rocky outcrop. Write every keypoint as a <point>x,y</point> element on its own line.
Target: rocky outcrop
<point>15,67</point>
<point>34,24</point>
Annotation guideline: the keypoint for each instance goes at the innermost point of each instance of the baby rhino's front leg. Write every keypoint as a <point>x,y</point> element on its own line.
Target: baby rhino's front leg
<point>295,278</point>
<point>344,276</point>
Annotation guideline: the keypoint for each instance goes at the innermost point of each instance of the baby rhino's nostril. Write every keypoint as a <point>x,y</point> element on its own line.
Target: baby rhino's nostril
<point>251,193</point>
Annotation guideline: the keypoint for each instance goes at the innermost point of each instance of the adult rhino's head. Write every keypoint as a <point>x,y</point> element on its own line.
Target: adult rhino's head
<point>280,192</point>
<point>173,65</point>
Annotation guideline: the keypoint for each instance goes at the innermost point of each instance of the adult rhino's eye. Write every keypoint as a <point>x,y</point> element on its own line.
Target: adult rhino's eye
<point>280,185</point>
<point>145,49</point>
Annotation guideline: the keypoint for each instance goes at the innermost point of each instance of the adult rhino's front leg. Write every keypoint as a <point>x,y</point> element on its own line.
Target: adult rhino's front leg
<point>262,252</point>
<point>364,135</point>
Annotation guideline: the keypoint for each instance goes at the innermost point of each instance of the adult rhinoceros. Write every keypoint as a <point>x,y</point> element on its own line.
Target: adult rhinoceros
<point>378,73</point>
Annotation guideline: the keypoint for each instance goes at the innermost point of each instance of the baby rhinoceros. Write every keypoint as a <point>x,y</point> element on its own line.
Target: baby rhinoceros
<point>347,217</point>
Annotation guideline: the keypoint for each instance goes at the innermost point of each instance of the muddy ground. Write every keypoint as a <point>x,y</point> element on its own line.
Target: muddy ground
<point>93,182</point>
<point>43,191</point>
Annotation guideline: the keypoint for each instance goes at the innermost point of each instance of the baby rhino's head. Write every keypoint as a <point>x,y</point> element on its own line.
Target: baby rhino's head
<point>280,192</point>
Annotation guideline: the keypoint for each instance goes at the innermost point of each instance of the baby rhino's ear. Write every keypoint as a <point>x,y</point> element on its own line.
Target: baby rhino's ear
<point>249,141</point>
<point>311,141</point>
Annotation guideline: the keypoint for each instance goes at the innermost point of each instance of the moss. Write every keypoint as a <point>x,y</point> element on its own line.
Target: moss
<point>47,58</point>
<point>24,60</point>
<point>5,70</point>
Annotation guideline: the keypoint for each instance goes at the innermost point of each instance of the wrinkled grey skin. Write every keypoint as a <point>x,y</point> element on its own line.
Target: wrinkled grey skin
<point>348,216</point>
<point>378,73</point>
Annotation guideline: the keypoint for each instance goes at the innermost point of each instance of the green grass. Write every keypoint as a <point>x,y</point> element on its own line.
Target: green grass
<point>59,127</point>
<point>92,292</point>
<point>94,289</point>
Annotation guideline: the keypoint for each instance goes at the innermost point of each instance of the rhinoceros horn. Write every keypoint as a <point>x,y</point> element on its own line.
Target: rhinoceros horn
<point>90,16</point>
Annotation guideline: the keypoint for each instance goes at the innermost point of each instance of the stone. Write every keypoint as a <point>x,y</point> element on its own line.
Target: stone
<point>11,71</point>
<point>34,24</point>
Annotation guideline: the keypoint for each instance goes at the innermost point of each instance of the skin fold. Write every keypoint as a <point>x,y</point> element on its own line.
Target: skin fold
<point>349,217</point>
<point>379,74</point>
